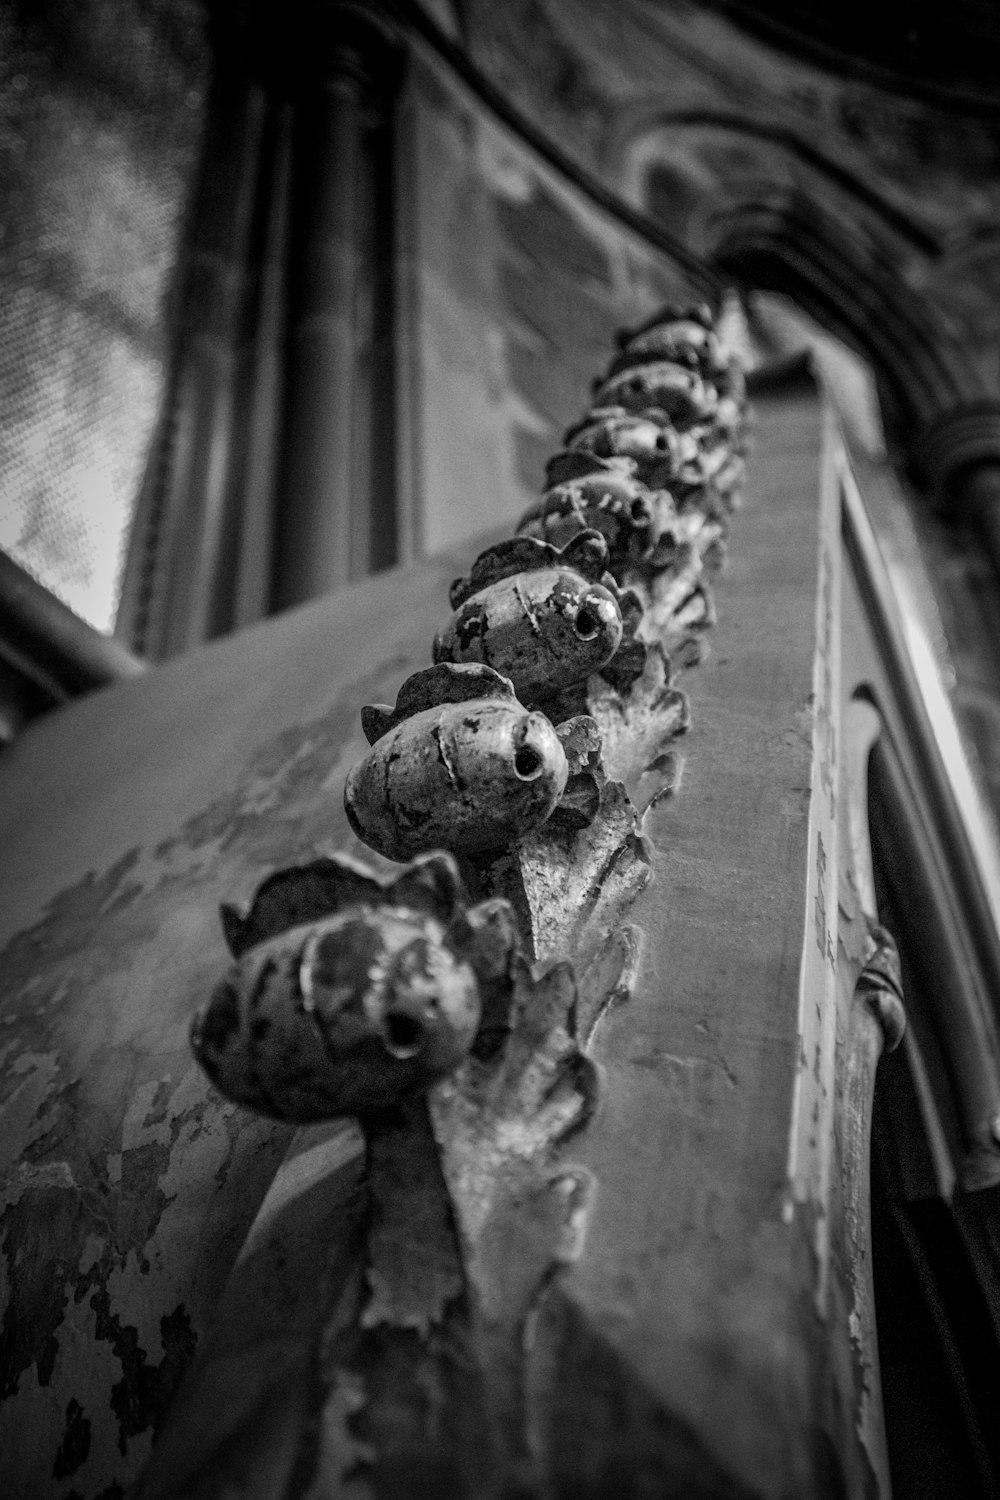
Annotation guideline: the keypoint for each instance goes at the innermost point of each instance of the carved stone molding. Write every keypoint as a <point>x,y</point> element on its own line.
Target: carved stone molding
<point>451,1008</point>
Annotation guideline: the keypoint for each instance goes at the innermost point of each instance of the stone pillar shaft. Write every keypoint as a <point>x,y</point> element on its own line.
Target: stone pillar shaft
<point>321,508</point>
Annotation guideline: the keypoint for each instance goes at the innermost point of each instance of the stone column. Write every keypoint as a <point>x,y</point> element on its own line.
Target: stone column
<point>178,582</point>
<point>343,54</point>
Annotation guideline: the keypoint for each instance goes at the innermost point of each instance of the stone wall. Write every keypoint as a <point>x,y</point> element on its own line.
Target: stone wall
<point>517,288</point>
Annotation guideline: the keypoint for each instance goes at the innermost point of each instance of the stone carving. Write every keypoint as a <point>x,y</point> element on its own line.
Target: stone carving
<point>543,616</point>
<point>646,439</point>
<point>458,762</point>
<point>350,994</point>
<point>689,339</point>
<point>603,494</point>
<point>880,986</point>
<point>674,389</point>
<point>674,403</point>
<point>530,751</point>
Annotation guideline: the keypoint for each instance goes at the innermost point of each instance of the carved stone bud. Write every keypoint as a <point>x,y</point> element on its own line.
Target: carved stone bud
<point>880,985</point>
<point>679,392</point>
<point>459,763</point>
<point>543,616</point>
<point>595,494</point>
<point>683,341</point>
<point>644,437</point>
<point>349,995</point>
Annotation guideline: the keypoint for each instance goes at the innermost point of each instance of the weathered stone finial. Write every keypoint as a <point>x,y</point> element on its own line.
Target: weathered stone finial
<point>544,616</point>
<point>459,764</point>
<point>350,994</point>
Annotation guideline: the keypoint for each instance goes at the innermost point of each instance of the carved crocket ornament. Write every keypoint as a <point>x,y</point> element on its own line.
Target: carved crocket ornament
<point>528,753</point>
<point>348,994</point>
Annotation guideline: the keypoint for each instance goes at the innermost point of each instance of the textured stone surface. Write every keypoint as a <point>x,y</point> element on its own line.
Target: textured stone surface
<point>519,289</point>
<point>127,1184</point>
<point>660,1342</point>
<point>680,1339</point>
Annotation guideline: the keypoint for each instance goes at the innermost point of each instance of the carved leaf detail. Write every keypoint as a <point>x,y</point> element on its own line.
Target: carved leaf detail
<point>499,1126</point>
<point>445,682</point>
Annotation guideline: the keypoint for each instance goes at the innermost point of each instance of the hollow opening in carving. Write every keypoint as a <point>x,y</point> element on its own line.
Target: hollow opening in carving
<point>639,510</point>
<point>527,763</point>
<point>587,624</point>
<point>404,1034</point>
<point>662,441</point>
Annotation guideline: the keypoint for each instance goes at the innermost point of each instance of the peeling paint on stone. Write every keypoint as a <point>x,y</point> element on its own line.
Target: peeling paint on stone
<point>128,1185</point>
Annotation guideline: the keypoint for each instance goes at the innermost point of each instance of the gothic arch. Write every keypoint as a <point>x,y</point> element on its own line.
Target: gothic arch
<point>773,212</point>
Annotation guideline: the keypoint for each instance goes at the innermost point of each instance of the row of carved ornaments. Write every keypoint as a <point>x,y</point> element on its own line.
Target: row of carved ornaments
<point>451,1007</point>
